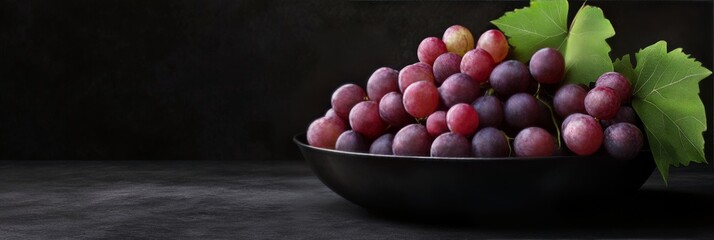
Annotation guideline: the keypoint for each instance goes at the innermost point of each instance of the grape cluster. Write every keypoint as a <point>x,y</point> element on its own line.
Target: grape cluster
<point>462,100</point>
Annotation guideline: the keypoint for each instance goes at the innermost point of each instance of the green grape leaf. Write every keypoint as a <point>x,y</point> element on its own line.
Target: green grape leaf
<point>665,88</point>
<point>544,24</point>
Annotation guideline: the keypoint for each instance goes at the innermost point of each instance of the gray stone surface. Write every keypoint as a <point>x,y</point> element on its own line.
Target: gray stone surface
<point>284,200</point>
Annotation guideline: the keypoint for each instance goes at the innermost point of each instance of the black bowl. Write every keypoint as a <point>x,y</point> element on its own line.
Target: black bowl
<point>429,185</point>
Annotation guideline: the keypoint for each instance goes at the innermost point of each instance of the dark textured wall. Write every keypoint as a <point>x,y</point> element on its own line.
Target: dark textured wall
<point>235,79</point>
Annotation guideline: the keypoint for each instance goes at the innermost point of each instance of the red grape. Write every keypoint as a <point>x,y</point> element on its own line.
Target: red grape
<point>384,80</point>
<point>429,49</point>
<point>617,82</point>
<point>625,114</point>
<point>365,119</point>
<point>462,119</point>
<point>495,43</point>
<point>582,134</point>
<point>414,73</point>
<point>534,142</point>
<point>324,131</point>
<point>391,109</point>
<point>602,103</point>
<point>421,99</point>
<point>346,97</point>
<point>436,123</point>
<point>478,64</point>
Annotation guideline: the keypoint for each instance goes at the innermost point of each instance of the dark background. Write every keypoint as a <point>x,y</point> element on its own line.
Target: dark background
<point>237,79</point>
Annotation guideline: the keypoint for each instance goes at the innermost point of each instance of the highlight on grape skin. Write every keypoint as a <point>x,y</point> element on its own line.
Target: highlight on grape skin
<point>458,39</point>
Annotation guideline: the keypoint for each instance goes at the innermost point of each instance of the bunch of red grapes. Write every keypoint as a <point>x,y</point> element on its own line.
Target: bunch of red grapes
<point>461,101</point>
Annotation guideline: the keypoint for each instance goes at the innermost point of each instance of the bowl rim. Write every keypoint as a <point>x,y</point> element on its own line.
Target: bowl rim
<point>297,138</point>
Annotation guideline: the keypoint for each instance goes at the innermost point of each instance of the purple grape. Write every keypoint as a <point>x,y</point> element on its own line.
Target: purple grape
<point>623,140</point>
<point>521,110</point>
<point>324,131</point>
<point>582,134</point>
<point>510,77</point>
<point>534,142</point>
<point>602,103</point>
<point>351,141</point>
<point>569,99</point>
<point>421,99</point>
<point>458,88</point>
<point>414,73</point>
<point>436,123</point>
<point>617,82</point>
<point>478,64</point>
<point>445,65</point>
<point>450,145</point>
<point>490,111</point>
<point>625,114</point>
<point>391,109</point>
<point>384,80</point>
<point>346,97</point>
<point>490,142</point>
<point>382,145</point>
<point>412,140</point>
<point>462,119</point>
<point>429,49</point>
<point>547,66</point>
<point>365,119</point>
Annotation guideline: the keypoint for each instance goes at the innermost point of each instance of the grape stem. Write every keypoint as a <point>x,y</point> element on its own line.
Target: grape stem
<point>552,117</point>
